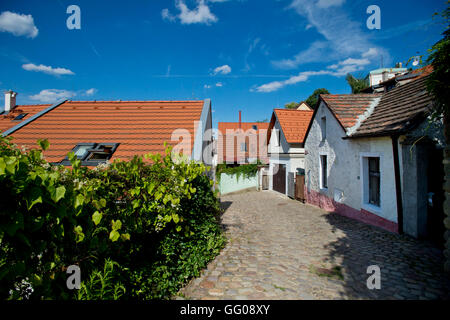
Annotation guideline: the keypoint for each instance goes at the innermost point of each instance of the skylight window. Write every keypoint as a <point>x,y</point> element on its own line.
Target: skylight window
<point>92,154</point>
<point>20,116</point>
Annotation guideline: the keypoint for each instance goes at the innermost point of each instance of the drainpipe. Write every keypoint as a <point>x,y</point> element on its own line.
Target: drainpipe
<point>398,186</point>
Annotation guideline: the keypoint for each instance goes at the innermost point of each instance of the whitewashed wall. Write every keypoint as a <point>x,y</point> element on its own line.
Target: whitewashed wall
<point>290,155</point>
<point>344,165</point>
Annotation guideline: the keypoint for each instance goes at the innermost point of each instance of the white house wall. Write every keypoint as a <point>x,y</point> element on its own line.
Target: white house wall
<point>344,166</point>
<point>288,154</point>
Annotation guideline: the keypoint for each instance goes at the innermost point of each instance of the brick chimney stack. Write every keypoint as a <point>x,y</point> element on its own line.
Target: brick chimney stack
<point>240,120</point>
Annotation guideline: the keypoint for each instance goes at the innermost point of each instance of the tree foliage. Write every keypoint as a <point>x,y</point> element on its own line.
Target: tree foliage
<point>438,83</point>
<point>314,97</point>
<point>292,105</point>
<point>357,84</point>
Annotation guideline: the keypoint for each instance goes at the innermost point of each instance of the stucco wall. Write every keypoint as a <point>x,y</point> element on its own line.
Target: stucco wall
<point>291,155</point>
<point>231,183</point>
<point>344,166</point>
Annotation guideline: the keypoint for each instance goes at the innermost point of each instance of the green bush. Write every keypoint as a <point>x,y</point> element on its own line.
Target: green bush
<point>137,229</point>
<point>244,170</point>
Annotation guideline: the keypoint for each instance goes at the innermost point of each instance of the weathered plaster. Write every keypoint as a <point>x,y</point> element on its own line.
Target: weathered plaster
<point>344,166</point>
<point>291,155</point>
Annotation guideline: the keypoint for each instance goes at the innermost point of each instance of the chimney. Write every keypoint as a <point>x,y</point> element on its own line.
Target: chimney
<point>240,120</point>
<point>10,100</point>
<point>384,76</point>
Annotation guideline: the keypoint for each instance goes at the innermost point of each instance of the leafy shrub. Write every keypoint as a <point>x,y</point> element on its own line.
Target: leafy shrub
<point>156,219</point>
<point>245,170</point>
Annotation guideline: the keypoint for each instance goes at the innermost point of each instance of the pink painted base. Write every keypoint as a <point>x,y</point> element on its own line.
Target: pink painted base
<point>324,202</point>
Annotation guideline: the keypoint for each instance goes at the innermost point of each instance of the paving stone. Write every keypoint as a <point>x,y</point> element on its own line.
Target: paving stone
<point>273,247</point>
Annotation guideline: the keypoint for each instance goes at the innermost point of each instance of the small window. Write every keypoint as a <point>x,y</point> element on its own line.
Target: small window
<point>323,126</point>
<point>323,172</point>
<point>255,127</point>
<point>279,137</point>
<point>21,116</point>
<point>244,147</point>
<point>93,153</point>
<point>81,150</point>
<point>374,181</point>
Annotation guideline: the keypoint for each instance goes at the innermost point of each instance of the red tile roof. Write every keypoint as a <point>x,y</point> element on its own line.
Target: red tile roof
<point>7,120</point>
<point>247,127</point>
<point>348,107</point>
<point>139,126</point>
<point>294,124</point>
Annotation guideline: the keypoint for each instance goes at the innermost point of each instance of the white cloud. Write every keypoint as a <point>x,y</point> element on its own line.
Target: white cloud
<point>207,86</point>
<point>18,24</point>
<point>201,14</point>
<point>372,52</point>
<point>342,36</point>
<point>329,3</point>
<point>338,69</point>
<point>52,95</point>
<point>47,69</point>
<point>225,69</point>
<point>301,77</point>
<point>219,84</point>
<point>91,92</point>
<point>308,55</point>
<point>166,15</point>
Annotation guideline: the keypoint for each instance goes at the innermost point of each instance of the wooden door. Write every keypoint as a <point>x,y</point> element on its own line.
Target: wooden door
<point>300,187</point>
<point>279,178</point>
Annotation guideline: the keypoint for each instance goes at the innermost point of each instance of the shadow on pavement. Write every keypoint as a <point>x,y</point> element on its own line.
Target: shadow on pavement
<point>410,269</point>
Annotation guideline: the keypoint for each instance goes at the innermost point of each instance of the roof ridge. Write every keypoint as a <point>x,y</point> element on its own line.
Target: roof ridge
<point>132,101</point>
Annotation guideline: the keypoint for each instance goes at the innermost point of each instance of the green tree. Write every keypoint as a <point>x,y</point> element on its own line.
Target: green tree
<point>292,105</point>
<point>438,84</point>
<point>314,97</point>
<point>357,84</point>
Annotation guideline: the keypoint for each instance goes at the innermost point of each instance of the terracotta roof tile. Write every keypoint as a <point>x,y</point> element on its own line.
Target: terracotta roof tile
<point>294,123</point>
<point>7,120</point>
<point>348,107</point>
<point>247,127</point>
<point>139,126</point>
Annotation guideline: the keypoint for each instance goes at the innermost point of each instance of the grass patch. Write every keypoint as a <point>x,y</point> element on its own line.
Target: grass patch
<point>277,287</point>
<point>335,272</point>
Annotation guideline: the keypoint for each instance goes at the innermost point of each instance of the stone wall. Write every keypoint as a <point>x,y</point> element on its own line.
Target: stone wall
<point>447,207</point>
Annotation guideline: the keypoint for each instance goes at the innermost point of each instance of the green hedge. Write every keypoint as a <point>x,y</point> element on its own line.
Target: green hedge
<point>137,231</point>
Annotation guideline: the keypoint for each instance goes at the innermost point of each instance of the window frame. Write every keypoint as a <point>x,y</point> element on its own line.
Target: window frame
<point>323,178</point>
<point>365,182</point>
<point>323,127</point>
<point>85,161</point>
<point>22,115</point>
<point>377,175</point>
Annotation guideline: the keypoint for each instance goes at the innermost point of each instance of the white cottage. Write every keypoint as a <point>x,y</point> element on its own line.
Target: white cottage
<point>286,135</point>
<point>373,157</point>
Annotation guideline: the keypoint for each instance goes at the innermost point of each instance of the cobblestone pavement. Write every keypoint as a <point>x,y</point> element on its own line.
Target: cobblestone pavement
<point>282,249</point>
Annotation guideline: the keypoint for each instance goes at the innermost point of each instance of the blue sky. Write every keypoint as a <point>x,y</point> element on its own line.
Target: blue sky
<point>252,55</point>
